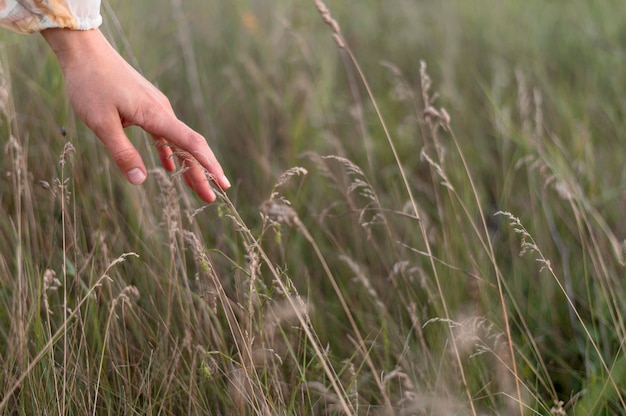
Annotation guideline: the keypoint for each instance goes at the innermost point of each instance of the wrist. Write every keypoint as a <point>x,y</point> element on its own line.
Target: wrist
<point>71,47</point>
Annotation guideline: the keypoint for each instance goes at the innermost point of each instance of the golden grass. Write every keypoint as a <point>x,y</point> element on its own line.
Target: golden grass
<point>365,263</point>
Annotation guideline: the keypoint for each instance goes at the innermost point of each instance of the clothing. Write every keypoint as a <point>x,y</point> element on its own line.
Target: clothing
<point>29,16</point>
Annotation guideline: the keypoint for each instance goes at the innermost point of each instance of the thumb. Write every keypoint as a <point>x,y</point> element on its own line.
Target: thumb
<point>123,153</point>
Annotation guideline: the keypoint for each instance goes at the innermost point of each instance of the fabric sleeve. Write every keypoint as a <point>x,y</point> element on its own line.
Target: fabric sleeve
<point>29,16</point>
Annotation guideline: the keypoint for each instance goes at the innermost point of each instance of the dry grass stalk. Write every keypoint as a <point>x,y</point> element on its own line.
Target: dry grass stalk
<point>50,282</point>
<point>277,211</point>
<point>54,338</point>
<point>285,177</point>
<point>126,297</point>
<point>284,214</point>
<point>330,21</point>
<point>361,277</point>
<point>5,91</point>
<point>184,37</point>
<point>530,246</point>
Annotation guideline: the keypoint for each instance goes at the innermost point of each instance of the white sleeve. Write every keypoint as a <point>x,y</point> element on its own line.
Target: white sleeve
<point>28,16</point>
<point>86,13</point>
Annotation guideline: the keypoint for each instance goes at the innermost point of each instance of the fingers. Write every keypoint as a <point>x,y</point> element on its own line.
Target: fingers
<point>180,135</point>
<point>123,153</point>
<point>165,154</point>
<point>197,180</point>
<point>129,162</point>
<point>193,174</point>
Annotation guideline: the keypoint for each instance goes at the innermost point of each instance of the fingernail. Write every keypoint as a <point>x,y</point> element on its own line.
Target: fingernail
<point>226,182</point>
<point>136,176</point>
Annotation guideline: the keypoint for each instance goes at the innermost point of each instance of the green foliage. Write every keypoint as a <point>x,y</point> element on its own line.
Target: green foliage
<point>361,282</point>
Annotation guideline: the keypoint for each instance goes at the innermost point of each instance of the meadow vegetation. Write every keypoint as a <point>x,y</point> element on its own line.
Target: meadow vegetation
<point>427,215</point>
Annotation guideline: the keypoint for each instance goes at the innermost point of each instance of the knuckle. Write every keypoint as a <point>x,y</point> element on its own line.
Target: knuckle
<point>196,145</point>
<point>165,102</point>
<point>157,106</point>
<point>99,125</point>
<point>196,140</point>
<point>124,156</point>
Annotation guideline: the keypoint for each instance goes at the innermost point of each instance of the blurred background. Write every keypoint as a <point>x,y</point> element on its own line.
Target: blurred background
<point>382,196</point>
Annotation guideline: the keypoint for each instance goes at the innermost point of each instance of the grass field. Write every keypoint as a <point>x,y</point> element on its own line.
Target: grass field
<point>427,215</point>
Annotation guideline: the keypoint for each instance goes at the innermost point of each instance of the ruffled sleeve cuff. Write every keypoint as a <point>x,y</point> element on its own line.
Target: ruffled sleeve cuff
<point>29,16</point>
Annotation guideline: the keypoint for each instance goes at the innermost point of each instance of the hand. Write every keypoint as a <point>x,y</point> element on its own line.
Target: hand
<point>108,95</point>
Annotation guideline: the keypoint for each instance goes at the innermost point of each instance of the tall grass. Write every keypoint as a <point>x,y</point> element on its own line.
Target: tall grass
<point>427,216</point>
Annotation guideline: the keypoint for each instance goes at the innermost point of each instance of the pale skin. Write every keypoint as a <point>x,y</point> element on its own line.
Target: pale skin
<point>108,94</point>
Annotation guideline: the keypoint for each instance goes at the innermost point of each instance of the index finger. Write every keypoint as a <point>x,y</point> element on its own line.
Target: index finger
<point>182,136</point>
